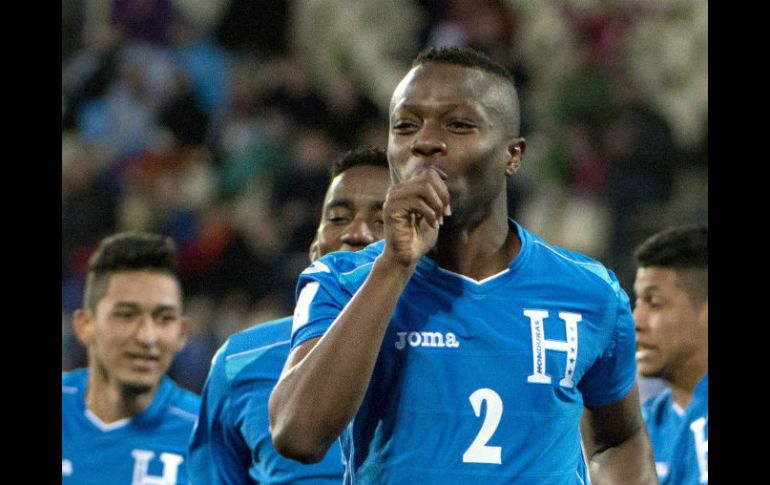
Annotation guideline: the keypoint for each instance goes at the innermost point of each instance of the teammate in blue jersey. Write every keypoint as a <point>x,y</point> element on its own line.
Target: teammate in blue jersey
<point>671,315</point>
<point>462,348</point>
<point>689,455</point>
<point>231,443</point>
<point>123,420</point>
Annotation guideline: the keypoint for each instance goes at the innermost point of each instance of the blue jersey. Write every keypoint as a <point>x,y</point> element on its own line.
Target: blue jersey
<point>689,454</point>
<point>149,448</point>
<point>480,382</point>
<point>675,445</point>
<point>663,418</point>
<point>231,443</point>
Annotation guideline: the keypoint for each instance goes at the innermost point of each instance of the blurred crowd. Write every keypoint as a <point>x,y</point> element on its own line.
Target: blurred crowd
<point>216,122</point>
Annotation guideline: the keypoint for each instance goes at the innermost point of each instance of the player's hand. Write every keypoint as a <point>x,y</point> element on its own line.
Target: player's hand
<point>413,212</point>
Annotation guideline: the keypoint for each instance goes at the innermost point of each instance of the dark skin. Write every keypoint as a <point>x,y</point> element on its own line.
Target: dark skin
<point>352,211</point>
<point>450,147</point>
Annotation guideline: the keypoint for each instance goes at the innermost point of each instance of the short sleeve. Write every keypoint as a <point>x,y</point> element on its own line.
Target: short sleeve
<point>613,375</point>
<point>320,298</point>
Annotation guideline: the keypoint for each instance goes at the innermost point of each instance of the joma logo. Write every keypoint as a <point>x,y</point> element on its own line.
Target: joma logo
<point>426,339</point>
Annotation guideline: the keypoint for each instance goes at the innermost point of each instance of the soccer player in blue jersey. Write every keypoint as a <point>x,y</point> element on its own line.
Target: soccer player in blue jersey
<point>462,348</point>
<point>123,420</point>
<point>231,443</point>
<point>671,315</point>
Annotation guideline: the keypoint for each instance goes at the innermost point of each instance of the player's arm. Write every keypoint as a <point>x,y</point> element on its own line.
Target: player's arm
<point>617,445</point>
<point>325,379</point>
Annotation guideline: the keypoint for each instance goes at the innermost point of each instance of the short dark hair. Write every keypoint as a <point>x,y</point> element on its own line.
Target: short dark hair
<point>469,57</point>
<point>127,251</point>
<point>365,155</point>
<point>464,56</point>
<point>682,248</point>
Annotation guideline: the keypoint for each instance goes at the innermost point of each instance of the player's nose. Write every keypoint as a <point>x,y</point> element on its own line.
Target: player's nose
<point>428,141</point>
<point>357,234</point>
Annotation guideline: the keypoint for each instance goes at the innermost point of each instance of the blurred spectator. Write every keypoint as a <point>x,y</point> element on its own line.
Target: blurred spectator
<point>88,214</point>
<point>143,20</point>
<point>123,119</point>
<point>246,266</point>
<point>350,112</point>
<point>259,27</point>
<point>298,193</point>
<point>191,365</point>
<point>485,25</point>
<point>642,160</point>
<point>87,75</point>
<point>205,64</point>
<point>72,19</point>
<point>183,115</point>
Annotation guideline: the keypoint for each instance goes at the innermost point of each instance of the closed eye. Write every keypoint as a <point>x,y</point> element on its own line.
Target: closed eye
<point>405,127</point>
<point>125,314</point>
<point>461,126</point>
<point>338,220</point>
<point>167,318</point>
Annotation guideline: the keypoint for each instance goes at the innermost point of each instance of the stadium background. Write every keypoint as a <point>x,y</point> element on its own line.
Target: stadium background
<point>215,122</point>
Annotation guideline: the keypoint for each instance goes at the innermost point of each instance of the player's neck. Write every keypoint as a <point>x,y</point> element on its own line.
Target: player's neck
<point>683,382</point>
<point>479,251</point>
<point>111,402</point>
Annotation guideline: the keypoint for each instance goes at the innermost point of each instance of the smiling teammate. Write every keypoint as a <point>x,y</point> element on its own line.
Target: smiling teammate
<point>123,420</point>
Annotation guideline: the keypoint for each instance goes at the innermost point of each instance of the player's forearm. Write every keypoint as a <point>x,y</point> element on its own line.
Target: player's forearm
<point>628,463</point>
<point>316,398</point>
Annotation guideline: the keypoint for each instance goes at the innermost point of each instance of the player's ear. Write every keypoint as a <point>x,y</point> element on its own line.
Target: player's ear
<point>515,153</point>
<point>314,252</point>
<point>703,313</point>
<point>82,324</point>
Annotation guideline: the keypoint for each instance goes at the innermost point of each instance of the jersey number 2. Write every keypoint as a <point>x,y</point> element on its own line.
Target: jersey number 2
<point>479,451</point>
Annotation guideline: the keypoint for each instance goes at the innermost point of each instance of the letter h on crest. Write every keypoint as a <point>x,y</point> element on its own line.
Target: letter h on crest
<point>540,344</point>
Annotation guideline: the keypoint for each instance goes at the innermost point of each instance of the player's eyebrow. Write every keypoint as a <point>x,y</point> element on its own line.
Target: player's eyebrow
<point>345,203</point>
<point>650,289</point>
<point>443,107</point>
<point>131,305</point>
<point>348,204</point>
<point>128,305</point>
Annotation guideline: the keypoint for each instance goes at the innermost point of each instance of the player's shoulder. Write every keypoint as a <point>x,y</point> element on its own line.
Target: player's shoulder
<point>346,270</point>
<point>264,341</point>
<point>182,403</point>
<point>251,338</point>
<point>256,336</point>
<point>342,262</point>
<point>74,381</point>
<point>555,259</point>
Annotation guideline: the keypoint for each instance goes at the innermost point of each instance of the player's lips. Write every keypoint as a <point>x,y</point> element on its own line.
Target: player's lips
<point>643,350</point>
<point>143,361</point>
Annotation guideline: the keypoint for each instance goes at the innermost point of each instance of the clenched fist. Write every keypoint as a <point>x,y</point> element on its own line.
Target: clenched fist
<point>414,210</point>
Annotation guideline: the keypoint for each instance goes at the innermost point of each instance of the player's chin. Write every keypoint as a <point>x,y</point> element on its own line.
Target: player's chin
<point>141,382</point>
<point>648,369</point>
